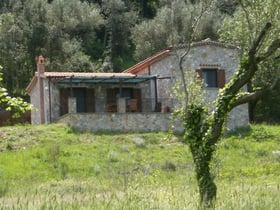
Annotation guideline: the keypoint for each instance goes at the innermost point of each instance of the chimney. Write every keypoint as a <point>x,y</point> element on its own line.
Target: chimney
<point>41,65</point>
<point>40,73</point>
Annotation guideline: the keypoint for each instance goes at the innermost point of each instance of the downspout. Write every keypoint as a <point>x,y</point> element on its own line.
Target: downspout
<point>71,88</point>
<point>120,87</point>
<point>156,91</point>
<point>155,88</point>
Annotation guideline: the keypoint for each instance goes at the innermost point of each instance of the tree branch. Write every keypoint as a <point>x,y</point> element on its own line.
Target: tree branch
<point>246,71</point>
<point>192,32</point>
<point>271,49</point>
<point>258,40</point>
<point>253,96</point>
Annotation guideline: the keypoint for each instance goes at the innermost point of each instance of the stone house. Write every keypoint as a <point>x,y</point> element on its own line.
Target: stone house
<point>138,99</point>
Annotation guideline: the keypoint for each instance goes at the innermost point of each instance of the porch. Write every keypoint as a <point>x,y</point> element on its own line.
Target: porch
<point>118,105</point>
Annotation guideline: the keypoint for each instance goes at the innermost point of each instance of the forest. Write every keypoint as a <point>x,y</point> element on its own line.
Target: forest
<point>112,35</point>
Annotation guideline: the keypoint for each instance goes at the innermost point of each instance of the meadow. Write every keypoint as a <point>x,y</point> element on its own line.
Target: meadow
<point>54,167</point>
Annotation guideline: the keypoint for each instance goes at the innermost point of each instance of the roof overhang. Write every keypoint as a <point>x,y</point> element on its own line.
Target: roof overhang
<point>105,79</point>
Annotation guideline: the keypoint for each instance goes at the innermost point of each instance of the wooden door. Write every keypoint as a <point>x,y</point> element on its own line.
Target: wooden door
<point>137,95</point>
<point>90,100</point>
<point>63,98</point>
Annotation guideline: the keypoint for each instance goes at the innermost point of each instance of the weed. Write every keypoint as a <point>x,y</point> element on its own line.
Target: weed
<point>113,156</point>
<point>53,153</point>
<point>64,170</point>
<point>96,169</point>
<point>240,132</point>
<point>139,142</point>
<point>4,188</point>
<point>9,146</point>
<point>261,134</point>
<point>276,153</point>
<point>169,166</point>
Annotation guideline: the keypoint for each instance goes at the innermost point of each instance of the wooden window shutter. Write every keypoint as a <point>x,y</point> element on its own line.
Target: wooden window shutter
<point>90,100</point>
<point>199,73</point>
<point>63,98</point>
<point>111,96</point>
<point>221,79</point>
<point>137,95</point>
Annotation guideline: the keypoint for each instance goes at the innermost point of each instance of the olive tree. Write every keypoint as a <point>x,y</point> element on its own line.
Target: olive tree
<point>241,29</point>
<point>173,25</point>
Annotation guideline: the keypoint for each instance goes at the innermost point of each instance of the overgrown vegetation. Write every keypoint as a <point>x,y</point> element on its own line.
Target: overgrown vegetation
<point>53,167</point>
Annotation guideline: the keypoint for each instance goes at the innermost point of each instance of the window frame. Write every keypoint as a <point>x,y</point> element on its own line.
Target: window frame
<point>220,75</point>
<point>210,77</point>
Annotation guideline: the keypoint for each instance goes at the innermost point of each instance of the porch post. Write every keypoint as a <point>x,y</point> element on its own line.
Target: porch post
<point>72,105</point>
<point>121,105</point>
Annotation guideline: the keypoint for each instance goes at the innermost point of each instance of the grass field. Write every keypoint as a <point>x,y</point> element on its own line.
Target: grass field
<point>53,167</point>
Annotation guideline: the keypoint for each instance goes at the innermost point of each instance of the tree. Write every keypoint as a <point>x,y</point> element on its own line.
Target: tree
<point>203,127</point>
<point>119,21</point>
<point>172,25</point>
<point>16,105</point>
<point>14,52</point>
<point>59,30</point>
<point>241,30</point>
<point>71,25</point>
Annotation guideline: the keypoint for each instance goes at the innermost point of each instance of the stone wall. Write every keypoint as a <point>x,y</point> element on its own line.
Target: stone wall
<point>129,122</point>
<point>168,72</point>
<point>35,101</point>
<point>122,122</point>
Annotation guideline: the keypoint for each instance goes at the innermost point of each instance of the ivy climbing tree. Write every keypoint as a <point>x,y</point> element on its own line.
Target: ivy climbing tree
<point>202,128</point>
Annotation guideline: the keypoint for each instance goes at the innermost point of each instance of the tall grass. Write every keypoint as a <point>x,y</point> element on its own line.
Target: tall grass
<point>52,167</point>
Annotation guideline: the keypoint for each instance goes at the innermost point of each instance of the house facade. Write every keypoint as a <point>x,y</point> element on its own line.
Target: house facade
<point>138,99</point>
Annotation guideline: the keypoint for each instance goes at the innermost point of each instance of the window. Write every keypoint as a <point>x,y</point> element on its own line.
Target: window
<point>85,99</point>
<point>210,77</point>
<point>213,77</point>
<point>128,93</point>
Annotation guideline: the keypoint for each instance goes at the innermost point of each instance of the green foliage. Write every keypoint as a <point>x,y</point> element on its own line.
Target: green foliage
<point>268,107</point>
<point>173,25</point>
<point>241,30</point>
<point>119,21</point>
<point>16,105</point>
<point>57,30</point>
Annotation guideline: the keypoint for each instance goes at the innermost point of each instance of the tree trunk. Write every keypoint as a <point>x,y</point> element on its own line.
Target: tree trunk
<point>206,184</point>
<point>201,153</point>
